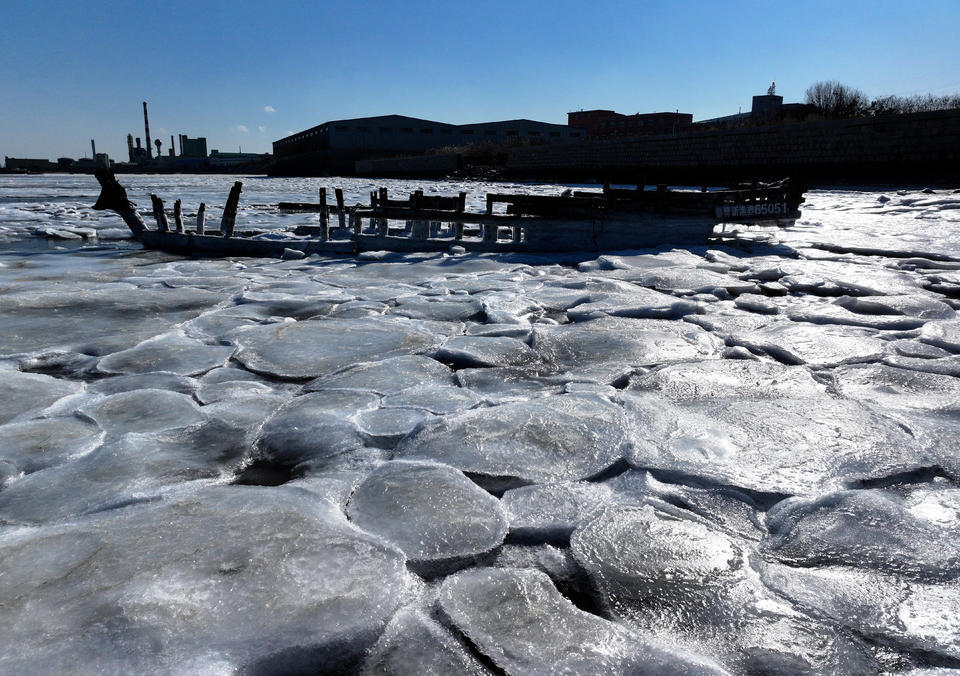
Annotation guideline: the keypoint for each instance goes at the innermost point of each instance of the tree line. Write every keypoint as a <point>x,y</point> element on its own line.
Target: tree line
<point>834,100</point>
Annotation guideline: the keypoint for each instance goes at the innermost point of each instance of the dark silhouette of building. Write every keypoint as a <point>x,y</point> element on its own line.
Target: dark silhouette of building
<point>397,134</point>
<point>193,147</point>
<point>608,124</point>
<point>28,164</point>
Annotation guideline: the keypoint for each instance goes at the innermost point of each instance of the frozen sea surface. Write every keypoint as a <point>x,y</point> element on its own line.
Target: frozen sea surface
<point>740,457</point>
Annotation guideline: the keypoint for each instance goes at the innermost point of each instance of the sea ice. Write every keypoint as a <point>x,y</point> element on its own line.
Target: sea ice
<point>914,305</point>
<point>432,512</point>
<point>25,395</point>
<point>96,321</point>
<point>870,529</point>
<point>793,343</point>
<point>438,399</point>
<point>144,410</point>
<point>695,587</point>
<point>725,378</point>
<point>689,280</point>
<point>174,353</point>
<point>386,376</point>
<point>944,334</point>
<point>550,439</point>
<point>415,645</point>
<point>497,385</point>
<point>624,342</point>
<point>450,309</point>
<point>919,616</point>
<point>779,446</point>
<point>482,351</point>
<point>520,621</point>
<point>637,303</point>
<point>133,467</point>
<point>143,381</point>
<point>308,349</point>
<point>37,444</point>
<point>147,589</point>
<point>897,387</point>
<point>315,426</point>
<point>384,427</point>
<point>550,512</point>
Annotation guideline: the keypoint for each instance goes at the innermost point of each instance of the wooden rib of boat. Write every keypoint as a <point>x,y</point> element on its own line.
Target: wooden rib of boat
<point>608,220</point>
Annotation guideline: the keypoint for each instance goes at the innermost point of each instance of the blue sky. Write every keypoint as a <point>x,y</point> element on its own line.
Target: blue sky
<point>244,74</point>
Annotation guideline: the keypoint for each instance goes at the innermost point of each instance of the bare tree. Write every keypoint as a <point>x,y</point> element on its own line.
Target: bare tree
<point>892,105</point>
<point>835,100</point>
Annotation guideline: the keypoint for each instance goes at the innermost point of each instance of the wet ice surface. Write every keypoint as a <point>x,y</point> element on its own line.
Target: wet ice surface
<point>740,457</point>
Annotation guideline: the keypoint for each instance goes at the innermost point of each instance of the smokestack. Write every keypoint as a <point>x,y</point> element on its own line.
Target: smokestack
<point>173,146</point>
<point>93,147</point>
<point>181,145</point>
<point>146,129</point>
<point>139,147</point>
<point>130,146</point>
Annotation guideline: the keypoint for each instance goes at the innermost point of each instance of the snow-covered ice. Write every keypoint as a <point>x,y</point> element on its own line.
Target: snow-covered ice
<point>740,457</point>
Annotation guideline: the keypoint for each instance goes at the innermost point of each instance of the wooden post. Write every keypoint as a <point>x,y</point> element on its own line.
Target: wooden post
<point>178,216</point>
<point>201,217</point>
<point>383,223</point>
<point>230,210</point>
<point>421,230</point>
<point>324,210</point>
<point>461,206</point>
<point>355,221</point>
<point>341,214</point>
<point>159,214</point>
<point>489,231</point>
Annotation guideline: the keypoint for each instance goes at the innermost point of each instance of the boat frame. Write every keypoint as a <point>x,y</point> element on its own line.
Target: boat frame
<point>609,220</point>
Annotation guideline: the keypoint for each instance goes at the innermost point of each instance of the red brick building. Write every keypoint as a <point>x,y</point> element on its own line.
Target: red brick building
<point>607,123</point>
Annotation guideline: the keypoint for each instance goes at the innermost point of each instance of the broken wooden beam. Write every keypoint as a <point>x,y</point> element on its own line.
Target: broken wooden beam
<point>178,216</point>
<point>159,214</point>
<point>230,210</point>
<point>113,196</point>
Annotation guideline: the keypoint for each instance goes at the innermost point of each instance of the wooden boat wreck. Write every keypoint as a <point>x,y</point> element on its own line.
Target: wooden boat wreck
<point>608,220</point>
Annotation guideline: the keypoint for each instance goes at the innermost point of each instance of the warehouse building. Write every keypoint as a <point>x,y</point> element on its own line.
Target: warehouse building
<point>397,134</point>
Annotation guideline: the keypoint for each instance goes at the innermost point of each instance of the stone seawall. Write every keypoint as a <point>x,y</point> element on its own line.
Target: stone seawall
<point>898,145</point>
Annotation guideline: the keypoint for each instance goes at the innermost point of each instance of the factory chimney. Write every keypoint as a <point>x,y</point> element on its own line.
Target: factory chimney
<point>146,129</point>
<point>172,147</point>
<point>130,146</point>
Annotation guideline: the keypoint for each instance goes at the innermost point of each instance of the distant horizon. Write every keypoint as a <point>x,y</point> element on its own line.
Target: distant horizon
<point>246,74</point>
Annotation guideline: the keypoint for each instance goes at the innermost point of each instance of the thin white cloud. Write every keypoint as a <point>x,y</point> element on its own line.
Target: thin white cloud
<point>261,128</point>
<point>269,109</point>
<point>240,128</point>
<point>289,132</point>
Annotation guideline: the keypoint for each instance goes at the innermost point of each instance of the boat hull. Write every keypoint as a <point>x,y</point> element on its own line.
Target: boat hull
<point>639,231</point>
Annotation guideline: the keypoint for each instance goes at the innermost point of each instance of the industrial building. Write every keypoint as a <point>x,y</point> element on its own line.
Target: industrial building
<point>396,134</point>
<point>609,124</point>
<point>193,147</point>
<point>765,109</point>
